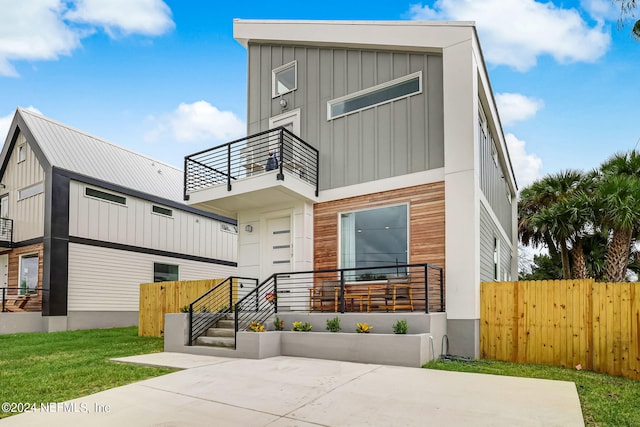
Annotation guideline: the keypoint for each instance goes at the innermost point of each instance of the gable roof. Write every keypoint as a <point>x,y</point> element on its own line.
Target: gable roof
<point>81,153</point>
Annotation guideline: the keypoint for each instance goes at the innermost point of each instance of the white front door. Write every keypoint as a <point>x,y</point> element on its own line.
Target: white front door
<point>277,255</point>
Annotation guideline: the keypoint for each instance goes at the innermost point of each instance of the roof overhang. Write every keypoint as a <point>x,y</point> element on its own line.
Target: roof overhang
<point>397,35</point>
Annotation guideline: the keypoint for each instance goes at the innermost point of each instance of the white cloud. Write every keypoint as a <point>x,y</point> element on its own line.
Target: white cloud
<point>516,32</point>
<point>526,166</point>
<point>5,122</point>
<point>601,10</point>
<point>196,122</point>
<point>514,107</point>
<point>44,30</point>
<point>148,17</point>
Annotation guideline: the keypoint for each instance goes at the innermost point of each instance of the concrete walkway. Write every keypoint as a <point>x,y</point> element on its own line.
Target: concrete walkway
<point>290,391</point>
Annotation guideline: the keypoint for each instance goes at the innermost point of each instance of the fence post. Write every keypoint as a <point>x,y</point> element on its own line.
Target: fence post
<point>441,290</point>
<point>280,176</point>
<point>275,293</point>
<point>3,299</point>
<point>228,167</point>
<point>426,288</point>
<point>190,324</point>
<point>231,292</point>
<point>341,296</point>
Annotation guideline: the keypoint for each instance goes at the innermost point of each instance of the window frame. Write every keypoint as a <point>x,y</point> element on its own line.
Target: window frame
<point>31,191</point>
<point>364,209</point>
<point>389,84</point>
<point>157,210</point>
<point>103,199</point>
<point>177,266</point>
<point>274,80</point>
<point>35,255</point>
<point>22,152</point>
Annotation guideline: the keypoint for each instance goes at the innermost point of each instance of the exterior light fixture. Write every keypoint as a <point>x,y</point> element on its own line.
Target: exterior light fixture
<point>248,228</point>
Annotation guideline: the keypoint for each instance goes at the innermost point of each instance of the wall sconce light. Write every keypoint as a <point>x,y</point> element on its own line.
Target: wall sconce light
<point>283,103</point>
<point>248,228</point>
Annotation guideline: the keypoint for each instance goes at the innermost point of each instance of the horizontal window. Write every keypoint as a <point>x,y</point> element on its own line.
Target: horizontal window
<point>162,211</point>
<point>229,228</point>
<point>165,272</point>
<point>92,192</point>
<point>30,191</point>
<point>376,95</point>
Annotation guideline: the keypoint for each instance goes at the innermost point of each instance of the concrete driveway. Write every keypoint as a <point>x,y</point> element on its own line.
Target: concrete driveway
<point>290,391</point>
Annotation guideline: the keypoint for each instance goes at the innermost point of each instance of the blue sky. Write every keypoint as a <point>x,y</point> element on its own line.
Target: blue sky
<point>167,78</point>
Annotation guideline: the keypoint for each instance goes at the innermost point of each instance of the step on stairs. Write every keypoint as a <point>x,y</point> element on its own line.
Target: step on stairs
<point>221,335</point>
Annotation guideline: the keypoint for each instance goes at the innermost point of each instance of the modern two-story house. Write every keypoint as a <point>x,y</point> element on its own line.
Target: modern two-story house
<point>84,222</point>
<point>392,153</point>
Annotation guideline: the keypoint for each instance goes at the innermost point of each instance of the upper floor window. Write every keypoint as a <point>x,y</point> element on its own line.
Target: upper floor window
<point>92,192</point>
<point>376,95</point>
<point>30,191</point>
<point>229,228</point>
<point>284,79</point>
<point>22,153</point>
<point>165,272</point>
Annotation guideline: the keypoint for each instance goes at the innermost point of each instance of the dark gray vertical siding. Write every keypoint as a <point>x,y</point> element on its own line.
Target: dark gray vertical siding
<point>493,182</point>
<point>396,138</point>
<point>489,231</point>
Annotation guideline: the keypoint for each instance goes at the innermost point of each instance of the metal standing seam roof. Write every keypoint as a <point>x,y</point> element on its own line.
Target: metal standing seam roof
<point>77,151</point>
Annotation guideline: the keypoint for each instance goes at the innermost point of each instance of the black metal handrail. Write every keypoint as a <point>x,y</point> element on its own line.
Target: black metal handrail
<point>19,292</point>
<point>6,232</point>
<point>212,306</point>
<point>248,156</point>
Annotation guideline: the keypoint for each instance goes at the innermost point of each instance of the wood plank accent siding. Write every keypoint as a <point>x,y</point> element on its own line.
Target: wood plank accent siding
<point>35,303</point>
<point>426,223</point>
<point>157,299</point>
<point>563,323</point>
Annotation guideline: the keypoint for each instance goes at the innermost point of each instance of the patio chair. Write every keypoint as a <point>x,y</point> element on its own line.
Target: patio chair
<point>18,304</point>
<point>396,293</point>
<point>328,292</point>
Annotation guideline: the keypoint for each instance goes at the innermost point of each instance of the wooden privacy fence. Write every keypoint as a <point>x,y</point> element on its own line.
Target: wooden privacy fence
<point>564,323</point>
<point>157,299</point>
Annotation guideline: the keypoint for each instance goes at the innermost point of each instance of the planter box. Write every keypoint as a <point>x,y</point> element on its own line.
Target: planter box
<point>386,349</point>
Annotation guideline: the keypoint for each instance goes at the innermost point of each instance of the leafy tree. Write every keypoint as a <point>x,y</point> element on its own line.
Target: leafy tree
<point>544,267</point>
<point>627,9</point>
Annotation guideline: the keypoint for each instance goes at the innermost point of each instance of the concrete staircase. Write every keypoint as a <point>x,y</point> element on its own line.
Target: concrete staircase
<point>221,335</point>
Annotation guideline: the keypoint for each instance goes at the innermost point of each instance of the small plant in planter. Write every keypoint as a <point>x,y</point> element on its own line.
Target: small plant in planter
<point>363,328</point>
<point>185,309</point>
<point>301,327</point>
<point>400,327</point>
<point>333,325</point>
<point>256,327</point>
<point>279,324</point>
<point>271,297</point>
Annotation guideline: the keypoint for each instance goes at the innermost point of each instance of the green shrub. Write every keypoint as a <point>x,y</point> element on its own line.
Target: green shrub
<point>301,327</point>
<point>333,325</point>
<point>400,327</point>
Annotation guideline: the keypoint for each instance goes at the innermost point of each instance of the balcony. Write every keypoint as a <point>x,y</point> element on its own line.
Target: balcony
<point>6,233</point>
<point>270,167</point>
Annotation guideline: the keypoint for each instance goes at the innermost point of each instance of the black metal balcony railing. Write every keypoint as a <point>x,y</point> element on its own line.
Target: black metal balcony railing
<point>6,232</point>
<point>248,157</point>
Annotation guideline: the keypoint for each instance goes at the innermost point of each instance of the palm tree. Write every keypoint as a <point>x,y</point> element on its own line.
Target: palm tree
<point>538,214</point>
<point>627,8</point>
<point>619,196</point>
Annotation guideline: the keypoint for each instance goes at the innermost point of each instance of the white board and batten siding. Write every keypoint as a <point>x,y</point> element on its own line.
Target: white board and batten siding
<point>28,213</point>
<point>105,279</point>
<point>135,224</point>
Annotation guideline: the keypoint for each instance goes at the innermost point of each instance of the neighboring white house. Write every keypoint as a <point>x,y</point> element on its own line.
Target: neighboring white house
<point>89,221</point>
<point>405,125</point>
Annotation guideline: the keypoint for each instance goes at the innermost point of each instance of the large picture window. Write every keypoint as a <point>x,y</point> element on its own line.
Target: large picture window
<point>28,280</point>
<point>374,238</point>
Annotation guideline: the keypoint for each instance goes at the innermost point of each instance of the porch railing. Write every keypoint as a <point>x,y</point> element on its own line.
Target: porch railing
<point>16,299</point>
<point>6,232</point>
<point>250,156</point>
<point>215,304</point>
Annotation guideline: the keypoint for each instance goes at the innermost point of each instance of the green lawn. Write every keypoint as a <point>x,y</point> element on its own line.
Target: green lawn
<point>58,366</point>
<point>605,400</point>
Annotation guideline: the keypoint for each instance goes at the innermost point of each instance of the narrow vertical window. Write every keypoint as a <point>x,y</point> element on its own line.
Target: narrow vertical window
<point>496,259</point>
<point>28,278</point>
<point>22,153</point>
